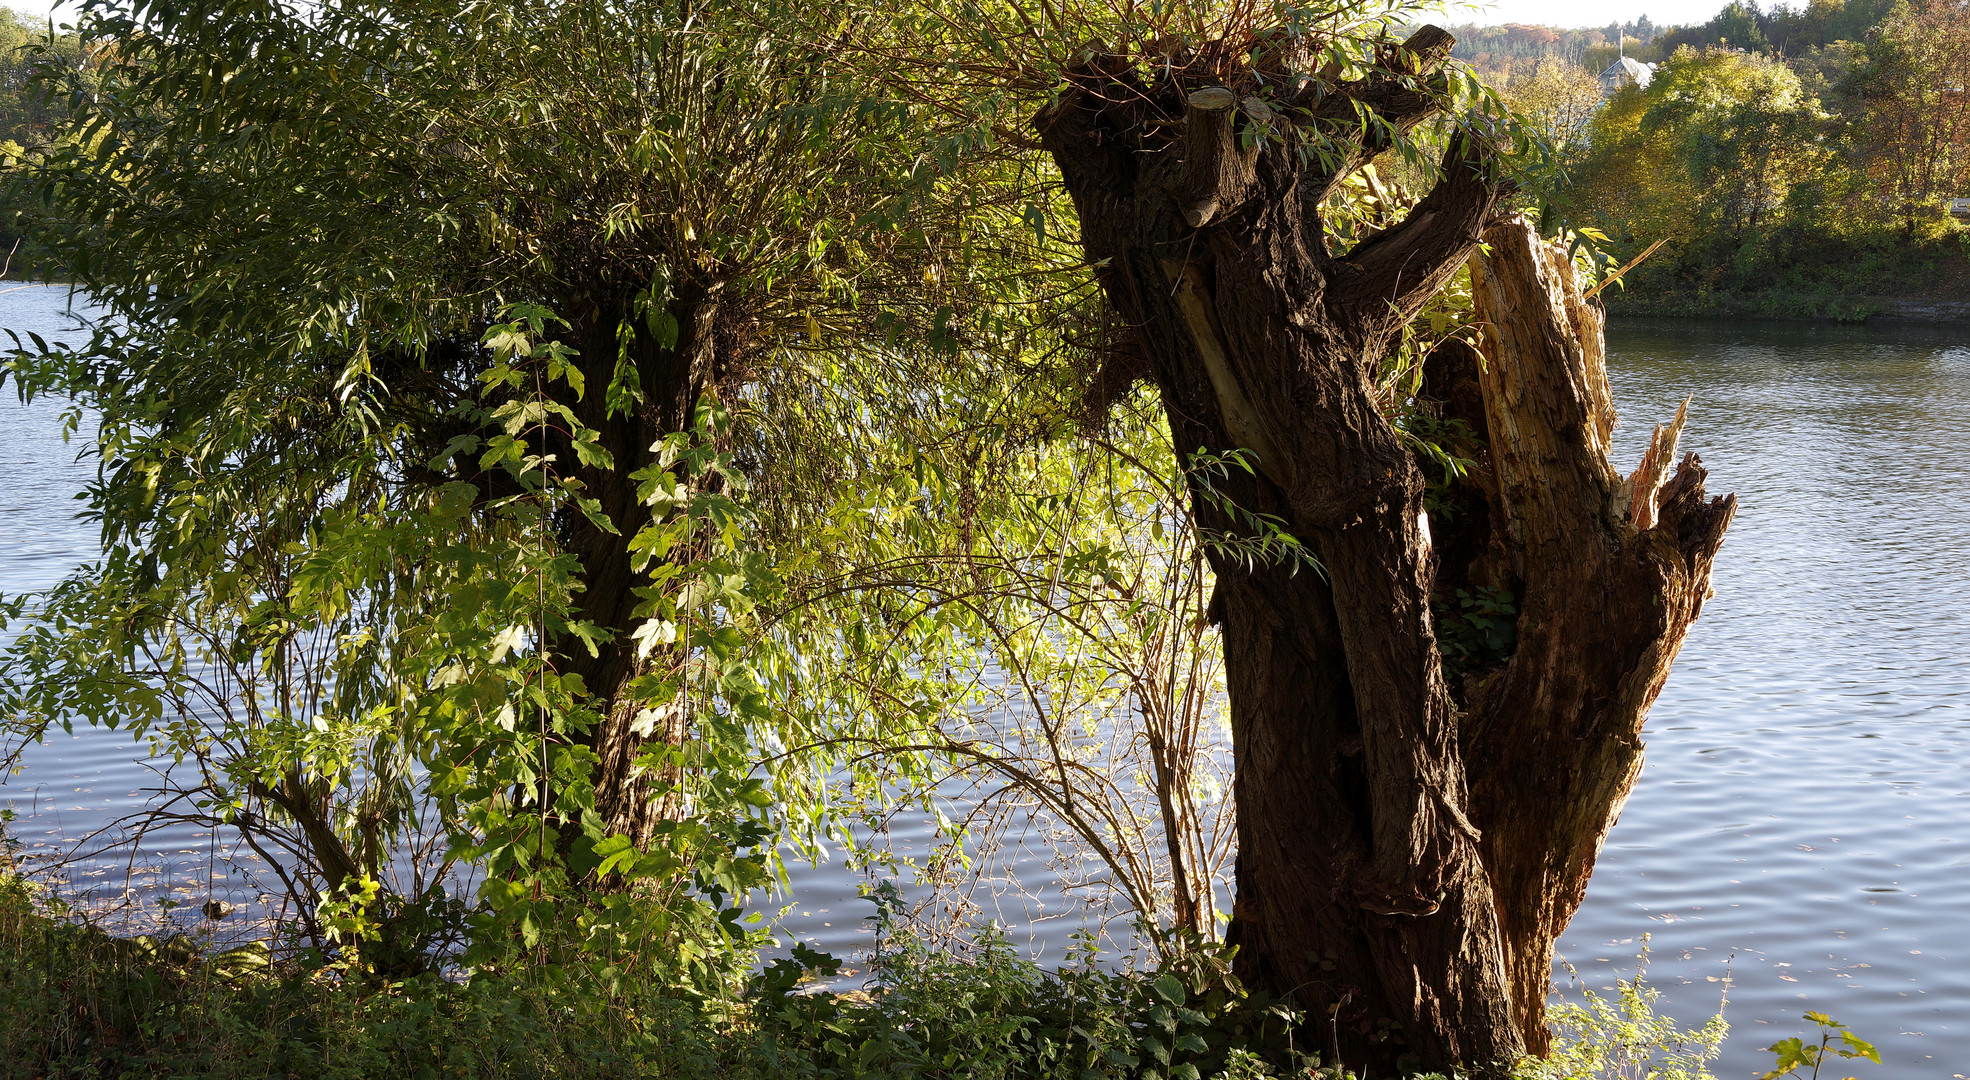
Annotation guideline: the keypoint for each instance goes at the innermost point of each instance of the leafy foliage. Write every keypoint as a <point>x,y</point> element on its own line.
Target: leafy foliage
<point>1476,629</point>
<point>994,1015</point>
<point>1626,1037</point>
<point>1794,1055</point>
<point>1799,170</point>
<point>352,446</point>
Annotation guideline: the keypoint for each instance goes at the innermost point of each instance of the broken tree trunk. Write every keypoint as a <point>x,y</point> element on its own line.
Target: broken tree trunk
<point>1610,572</point>
<point>1407,850</point>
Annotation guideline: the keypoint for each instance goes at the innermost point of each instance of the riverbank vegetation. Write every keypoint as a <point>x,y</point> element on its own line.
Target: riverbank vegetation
<point>558,462</point>
<point>83,1004</point>
<point>1796,162</point>
<point>29,121</point>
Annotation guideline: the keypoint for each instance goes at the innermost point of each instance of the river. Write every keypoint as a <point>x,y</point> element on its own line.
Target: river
<point>1799,827</point>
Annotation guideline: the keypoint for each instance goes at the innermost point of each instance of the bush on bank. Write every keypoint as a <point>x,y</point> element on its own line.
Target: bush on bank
<point>83,1004</point>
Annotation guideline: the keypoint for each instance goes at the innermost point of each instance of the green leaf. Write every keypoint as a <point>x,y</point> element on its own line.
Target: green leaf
<point>1035,219</point>
<point>459,444</point>
<point>1857,1047</point>
<point>592,510</point>
<point>1790,1054</point>
<point>616,853</point>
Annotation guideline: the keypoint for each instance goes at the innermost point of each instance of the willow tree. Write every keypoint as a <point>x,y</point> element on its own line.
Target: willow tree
<point>393,285</point>
<point>1409,847</point>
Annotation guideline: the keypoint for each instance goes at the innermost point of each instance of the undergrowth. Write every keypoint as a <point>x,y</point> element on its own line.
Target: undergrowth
<point>1788,274</point>
<point>82,1004</point>
<point>1624,1037</point>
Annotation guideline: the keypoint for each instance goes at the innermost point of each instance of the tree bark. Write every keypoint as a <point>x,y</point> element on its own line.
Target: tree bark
<point>670,380</point>
<point>1401,894</point>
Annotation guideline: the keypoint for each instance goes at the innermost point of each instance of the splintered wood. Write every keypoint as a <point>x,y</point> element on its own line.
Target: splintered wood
<point>1646,484</point>
<point>1608,573</point>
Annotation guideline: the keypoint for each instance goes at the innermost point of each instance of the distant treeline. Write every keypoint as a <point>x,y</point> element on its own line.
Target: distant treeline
<point>1792,161</point>
<point>1503,52</point>
<point>1500,53</point>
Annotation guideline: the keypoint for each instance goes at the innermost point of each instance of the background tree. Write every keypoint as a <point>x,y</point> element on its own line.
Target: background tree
<point>1503,53</point>
<point>1722,156</point>
<point>1914,129</point>
<point>1743,131</point>
<point>1785,182</point>
<point>1558,100</point>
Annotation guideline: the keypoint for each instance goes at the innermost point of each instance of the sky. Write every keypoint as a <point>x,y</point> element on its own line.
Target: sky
<point>1571,14</point>
<point>40,8</point>
<point>1565,14</point>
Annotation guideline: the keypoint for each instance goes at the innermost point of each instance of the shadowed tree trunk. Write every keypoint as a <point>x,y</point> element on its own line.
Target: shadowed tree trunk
<point>670,380</point>
<point>1407,850</point>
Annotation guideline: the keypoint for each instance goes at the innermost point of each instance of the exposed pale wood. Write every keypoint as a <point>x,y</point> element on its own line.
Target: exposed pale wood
<point>1610,574</point>
<point>1644,488</point>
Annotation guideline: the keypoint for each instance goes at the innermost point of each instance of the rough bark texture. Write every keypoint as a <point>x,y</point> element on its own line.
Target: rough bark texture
<point>1402,897</point>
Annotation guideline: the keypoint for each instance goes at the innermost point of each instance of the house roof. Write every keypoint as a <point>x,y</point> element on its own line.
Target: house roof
<point>1628,67</point>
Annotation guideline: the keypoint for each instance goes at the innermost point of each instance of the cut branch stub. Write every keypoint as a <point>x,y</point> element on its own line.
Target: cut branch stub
<point>1217,172</point>
<point>1422,52</point>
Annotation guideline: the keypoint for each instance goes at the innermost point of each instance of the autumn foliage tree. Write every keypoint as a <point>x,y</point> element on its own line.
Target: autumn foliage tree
<point>1915,89</point>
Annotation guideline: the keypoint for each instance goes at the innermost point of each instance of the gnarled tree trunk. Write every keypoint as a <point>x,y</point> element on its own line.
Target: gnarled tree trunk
<point>1407,850</point>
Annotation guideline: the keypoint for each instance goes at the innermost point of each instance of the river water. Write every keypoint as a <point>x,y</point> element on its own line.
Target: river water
<point>1800,827</point>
